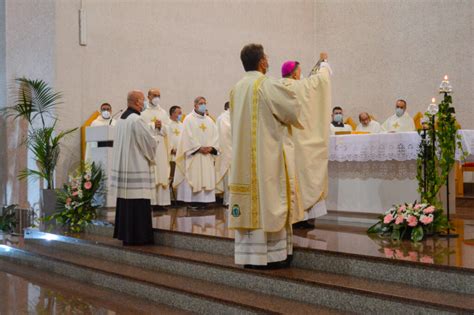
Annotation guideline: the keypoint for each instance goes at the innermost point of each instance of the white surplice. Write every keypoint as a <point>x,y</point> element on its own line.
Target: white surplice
<point>223,160</point>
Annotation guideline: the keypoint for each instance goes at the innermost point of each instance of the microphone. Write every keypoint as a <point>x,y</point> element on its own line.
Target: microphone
<point>113,116</point>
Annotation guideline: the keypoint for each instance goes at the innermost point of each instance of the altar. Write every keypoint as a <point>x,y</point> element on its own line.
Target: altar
<point>371,172</point>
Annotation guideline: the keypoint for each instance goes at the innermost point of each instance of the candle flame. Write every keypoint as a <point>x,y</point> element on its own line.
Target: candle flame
<point>433,100</point>
<point>446,77</point>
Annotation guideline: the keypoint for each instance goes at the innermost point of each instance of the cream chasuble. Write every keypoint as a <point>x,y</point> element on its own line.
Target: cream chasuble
<point>261,109</point>
<point>372,127</point>
<point>175,128</point>
<point>306,150</point>
<point>162,167</point>
<point>399,124</point>
<point>195,175</point>
<point>223,160</point>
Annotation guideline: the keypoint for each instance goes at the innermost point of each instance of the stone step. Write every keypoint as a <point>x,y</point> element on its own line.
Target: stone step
<point>211,297</point>
<point>347,293</point>
<point>65,292</point>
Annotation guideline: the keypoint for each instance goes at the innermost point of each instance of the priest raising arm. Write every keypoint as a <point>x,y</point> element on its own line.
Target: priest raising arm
<point>261,109</point>
<point>306,150</point>
<point>131,174</point>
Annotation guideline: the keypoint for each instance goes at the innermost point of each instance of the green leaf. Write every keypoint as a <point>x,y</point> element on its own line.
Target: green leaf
<point>395,234</point>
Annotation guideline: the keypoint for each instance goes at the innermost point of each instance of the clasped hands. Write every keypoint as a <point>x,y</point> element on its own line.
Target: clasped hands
<point>205,150</point>
<point>158,124</point>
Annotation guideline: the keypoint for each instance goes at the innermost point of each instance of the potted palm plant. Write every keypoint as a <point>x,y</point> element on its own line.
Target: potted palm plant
<point>36,102</point>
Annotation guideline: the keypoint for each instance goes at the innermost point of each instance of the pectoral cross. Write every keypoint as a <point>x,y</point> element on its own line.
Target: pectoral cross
<point>176,132</point>
<point>203,127</point>
<point>154,119</point>
<point>396,125</point>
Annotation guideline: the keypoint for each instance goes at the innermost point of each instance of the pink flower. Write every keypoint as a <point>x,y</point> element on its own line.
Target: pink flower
<point>388,218</point>
<point>88,185</point>
<point>399,219</point>
<point>413,256</point>
<point>399,254</point>
<point>75,193</point>
<point>429,210</point>
<point>426,219</point>
<point>388,252</point>
<point>412,221</point>
<point>402,209</point>
<point>417,206</point>
<point>68,201</point>
<point>427,260</point>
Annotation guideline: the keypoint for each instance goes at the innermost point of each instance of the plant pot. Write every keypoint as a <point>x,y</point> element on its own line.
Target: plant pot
<point>48,198</point>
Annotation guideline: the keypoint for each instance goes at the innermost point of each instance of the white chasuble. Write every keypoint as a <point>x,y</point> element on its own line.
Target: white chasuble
<point>195,172</point>
<point>307,149</point>
<point>162,167</point>
<point>175,129</point>
<point>403,123</point>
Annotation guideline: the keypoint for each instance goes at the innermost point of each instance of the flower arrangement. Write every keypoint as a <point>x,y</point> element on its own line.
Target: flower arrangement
<point>77,200</point>
<point>414,220</point>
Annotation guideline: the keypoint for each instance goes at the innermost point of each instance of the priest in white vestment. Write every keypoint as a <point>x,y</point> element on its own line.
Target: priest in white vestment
<point>195,175</point>
<point>306,150</point>
<point>367,124</point>
<point>401,121</point>
<point>132,176</point>
<point>223,160</point>
<point>157,118</point>
<point>104,119</point>
<point>175,129</point>
<point>261,109</point>
<point>337,124</point>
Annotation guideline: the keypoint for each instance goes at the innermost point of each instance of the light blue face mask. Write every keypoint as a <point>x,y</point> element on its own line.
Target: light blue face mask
<point>180,116</point>
<point>399,112</point>
<point>338,118</point>
<point>202,108</point>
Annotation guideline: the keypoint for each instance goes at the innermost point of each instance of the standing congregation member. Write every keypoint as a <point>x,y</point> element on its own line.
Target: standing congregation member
<point>132,176</point>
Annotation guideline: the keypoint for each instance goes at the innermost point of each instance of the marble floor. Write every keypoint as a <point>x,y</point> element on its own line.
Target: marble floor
<point>336,236</point>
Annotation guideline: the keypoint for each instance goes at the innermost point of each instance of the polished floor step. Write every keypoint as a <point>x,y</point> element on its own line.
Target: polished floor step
<point>27,290</point>
<point>379,290</point>
<point>220,293</point>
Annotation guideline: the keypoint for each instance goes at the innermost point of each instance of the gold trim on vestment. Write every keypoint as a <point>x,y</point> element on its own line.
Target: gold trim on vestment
<point>255,206</point>
<point>239,188</point>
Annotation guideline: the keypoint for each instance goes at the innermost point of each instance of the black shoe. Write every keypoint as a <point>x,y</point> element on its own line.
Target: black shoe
<point>273,265</point>
<point>303,225</point>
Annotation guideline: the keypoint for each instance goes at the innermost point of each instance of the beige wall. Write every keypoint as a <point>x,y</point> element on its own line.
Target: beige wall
<point>380,50</point>
<point>29,43</point>
<point>384,50</point>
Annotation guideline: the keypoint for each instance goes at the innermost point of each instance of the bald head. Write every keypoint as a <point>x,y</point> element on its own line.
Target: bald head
<point>364,118</point>
<point>135,100</point>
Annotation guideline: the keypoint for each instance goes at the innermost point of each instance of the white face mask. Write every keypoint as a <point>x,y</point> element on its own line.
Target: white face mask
<point>105,114</point>
<point>155,101</point>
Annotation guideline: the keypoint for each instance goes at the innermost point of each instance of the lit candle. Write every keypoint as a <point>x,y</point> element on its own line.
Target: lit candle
<point>445,77</point>
<point>433,100</point>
